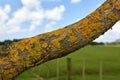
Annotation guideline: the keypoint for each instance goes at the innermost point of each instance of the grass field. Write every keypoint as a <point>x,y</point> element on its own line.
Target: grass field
<point>92,54</point>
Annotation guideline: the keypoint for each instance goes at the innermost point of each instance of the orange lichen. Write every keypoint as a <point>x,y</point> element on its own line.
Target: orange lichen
<point>73,38</point>
<point>87,33</point>
<point>69,31</point>
<point>76,28</point>
<point>96,16</point>
<point>3,61</point>
<point>96,26</point>
<point>8,73</point>
<point>56,32</point>
<point>105,7</point>
<point>21,45</point>
<point>56,42</point>
<point>33,40</point>
<point>44,45</point>
<point>113,1</point>
<point>84,22</point>
<point>112,16</point>
<point>118,5</point>
<point>14,58</point>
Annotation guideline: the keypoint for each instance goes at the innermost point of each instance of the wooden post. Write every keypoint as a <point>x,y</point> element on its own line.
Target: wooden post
<point>68,68</point>
<point>83,70</point>
<point>101,70</point>
<point>57,69</point>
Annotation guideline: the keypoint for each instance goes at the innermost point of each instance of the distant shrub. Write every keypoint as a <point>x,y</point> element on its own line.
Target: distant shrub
<point>96,43</point>
<point>9,41</point>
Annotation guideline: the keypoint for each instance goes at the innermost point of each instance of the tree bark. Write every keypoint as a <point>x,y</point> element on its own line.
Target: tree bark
<point>20,56</point>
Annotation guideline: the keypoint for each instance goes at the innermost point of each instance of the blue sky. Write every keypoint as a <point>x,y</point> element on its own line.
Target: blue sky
<point>27,18</point>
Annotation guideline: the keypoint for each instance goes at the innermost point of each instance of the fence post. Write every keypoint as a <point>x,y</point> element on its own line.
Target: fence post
<point>83,70</point>
<point>101,70</point>
<point>68,68</point>
<point>57,69</point>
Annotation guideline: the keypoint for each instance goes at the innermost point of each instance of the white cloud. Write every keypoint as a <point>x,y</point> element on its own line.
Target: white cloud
<point>31,4</point>
<point>36,14</point>
<point>18,17</point>
<point>75,1</point>
<point>29,12</point>
<point>116,27</point>
<point>7,8</point>
<point>52,0</point>
<point>49,26</point>
<point>14,30</point>
<point>111,35</point>
<point>33,12</point>
<point>56,13</point>
<point>3,18</point>
<point>36,19</point>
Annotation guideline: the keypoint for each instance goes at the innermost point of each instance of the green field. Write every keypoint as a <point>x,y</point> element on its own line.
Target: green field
<point>110,55</point>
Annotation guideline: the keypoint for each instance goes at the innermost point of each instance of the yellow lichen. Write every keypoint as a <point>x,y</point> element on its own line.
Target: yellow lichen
<point>73,38</point>
<point>56,42</point>
<point>118,5</point>
<point>44,45</point>
<point>27,63</point>
<point>105,7</point>
<point>11,50</point>
<point>96,16</point>
<point>26,43</point>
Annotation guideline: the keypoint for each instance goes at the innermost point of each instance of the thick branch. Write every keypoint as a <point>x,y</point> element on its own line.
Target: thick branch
<point>20,56</point>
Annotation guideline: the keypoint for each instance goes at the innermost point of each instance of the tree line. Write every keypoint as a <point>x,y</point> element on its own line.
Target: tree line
<point>9,41</point>
<point>92,43</point>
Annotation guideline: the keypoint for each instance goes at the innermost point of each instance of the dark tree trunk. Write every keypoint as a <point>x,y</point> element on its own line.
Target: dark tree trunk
<point>20,56</point>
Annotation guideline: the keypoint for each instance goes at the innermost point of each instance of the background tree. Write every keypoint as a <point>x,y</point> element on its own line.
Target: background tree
<point>20,56</point>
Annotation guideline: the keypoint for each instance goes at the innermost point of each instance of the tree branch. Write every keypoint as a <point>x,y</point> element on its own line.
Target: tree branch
<point>22,55</point>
